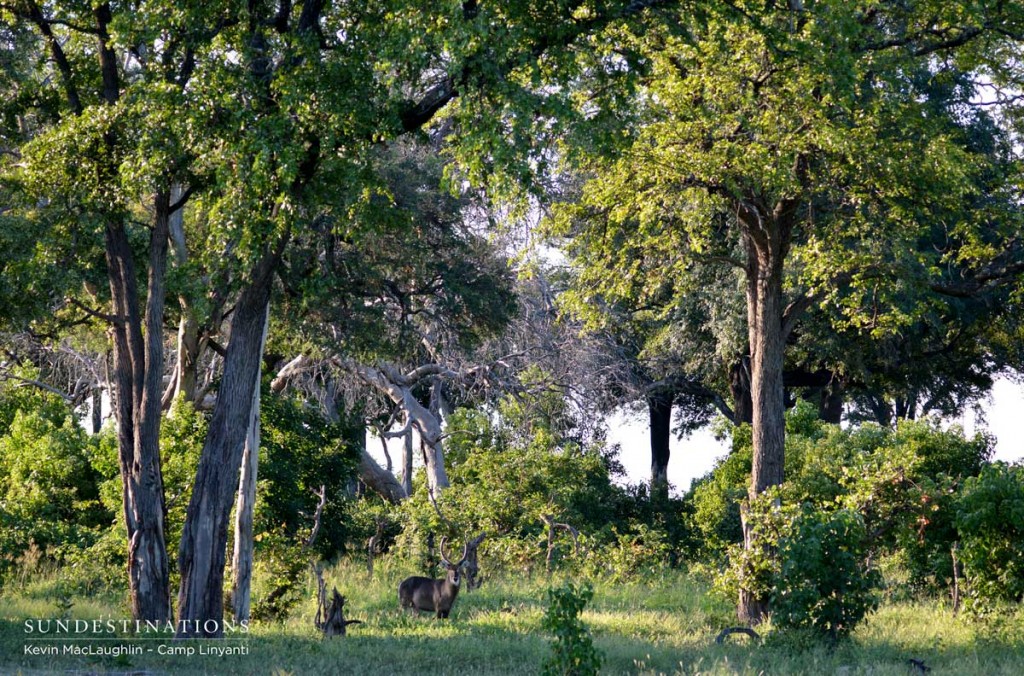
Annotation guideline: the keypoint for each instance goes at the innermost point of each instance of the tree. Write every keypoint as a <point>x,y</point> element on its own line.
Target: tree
<point>99,138</point>
<point>824,173</point>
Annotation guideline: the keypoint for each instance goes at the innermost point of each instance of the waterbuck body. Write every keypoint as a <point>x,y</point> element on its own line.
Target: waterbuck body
<point>437,596</point>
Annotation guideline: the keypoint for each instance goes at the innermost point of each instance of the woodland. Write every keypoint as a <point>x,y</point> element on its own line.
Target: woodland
<point>245,245</point>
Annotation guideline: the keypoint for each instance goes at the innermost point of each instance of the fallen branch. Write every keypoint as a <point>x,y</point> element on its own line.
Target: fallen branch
<point>737,630</point>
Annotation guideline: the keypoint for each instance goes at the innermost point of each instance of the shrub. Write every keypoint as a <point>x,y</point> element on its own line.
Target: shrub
<point>812,564</point>
<point>824,582</point>
<point>49,499</point>
<point>902,482</point>
<point>990,523</point>
<point>572,651</point>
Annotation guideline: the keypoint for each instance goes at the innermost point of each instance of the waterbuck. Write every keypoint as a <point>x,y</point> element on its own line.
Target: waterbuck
<point>424,593</point>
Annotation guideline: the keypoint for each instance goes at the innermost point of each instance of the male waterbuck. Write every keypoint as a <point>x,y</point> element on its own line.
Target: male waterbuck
<point>424,593</point>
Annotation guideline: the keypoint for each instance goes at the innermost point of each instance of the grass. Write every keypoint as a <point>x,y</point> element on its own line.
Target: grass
<point>662,627</point>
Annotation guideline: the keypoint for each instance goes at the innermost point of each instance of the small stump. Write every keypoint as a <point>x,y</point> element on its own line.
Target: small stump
<point>330,618</point>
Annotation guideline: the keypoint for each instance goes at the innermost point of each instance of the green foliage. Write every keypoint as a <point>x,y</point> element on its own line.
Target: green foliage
<point>98,568</point>
<point>510,472</point>
<point>824,582</point>
<point>901,481</point>
<point>990,522</point>
<point>18,396</point>
<point>811,562</point>
<point>279,568</point>
<point>572,651</point>
<point>299,452</point>
<point>641,554</point>
<point>182,434</point>
<point>49,498</point>
<point>716,497</point>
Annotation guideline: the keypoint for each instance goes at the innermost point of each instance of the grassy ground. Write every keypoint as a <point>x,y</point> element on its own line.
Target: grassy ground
<point>666,627</point>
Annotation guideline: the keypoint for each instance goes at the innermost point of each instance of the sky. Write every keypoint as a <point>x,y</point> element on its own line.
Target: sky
<point>695,456</point>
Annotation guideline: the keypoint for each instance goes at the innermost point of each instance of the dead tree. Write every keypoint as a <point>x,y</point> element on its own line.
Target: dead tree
<point>553,525</point>
<point>471,568</point>
<point>330,617</point>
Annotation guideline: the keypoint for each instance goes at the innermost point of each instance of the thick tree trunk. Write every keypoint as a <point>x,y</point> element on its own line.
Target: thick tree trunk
<point>379,480</point>
<point>204,537</point>
<point>138,369</point>
<point>436,474</point>
<point>766,252</point>
<point>433,459</point>
<point>241,562</point>
<point>659,407</point>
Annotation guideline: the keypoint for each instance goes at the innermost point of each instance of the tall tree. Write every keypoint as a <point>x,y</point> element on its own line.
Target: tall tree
<point>825,172</point>
<point>99,153</point>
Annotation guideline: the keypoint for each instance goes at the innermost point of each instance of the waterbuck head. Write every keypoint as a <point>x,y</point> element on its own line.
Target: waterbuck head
<point>454,570</point>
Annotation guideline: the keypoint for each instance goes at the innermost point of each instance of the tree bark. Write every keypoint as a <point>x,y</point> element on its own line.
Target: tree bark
<point>138,369</point>
<point>97,409</point>
<point>830,408</point>
<point>407,451</point>
<point>739,389</point>
<point>204,537</point>
<point>659,407</point>
<point>379,480</point>
<point>766,242</point>
<point>185,375</point>
<point>398,387</point>
<point>241,561</point>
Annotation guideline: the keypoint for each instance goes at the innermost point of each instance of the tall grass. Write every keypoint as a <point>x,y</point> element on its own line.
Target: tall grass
<point>663,626</point>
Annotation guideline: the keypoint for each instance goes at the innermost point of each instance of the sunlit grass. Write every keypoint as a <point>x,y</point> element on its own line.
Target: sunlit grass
<point>664,627</point>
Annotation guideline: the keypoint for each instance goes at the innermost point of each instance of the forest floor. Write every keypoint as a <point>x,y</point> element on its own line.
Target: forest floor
<point>663,627</point>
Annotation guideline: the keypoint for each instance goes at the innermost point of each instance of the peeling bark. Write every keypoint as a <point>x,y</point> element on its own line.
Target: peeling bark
<point>137,370</point>
<point>766,240</point>
<point>245,505</point>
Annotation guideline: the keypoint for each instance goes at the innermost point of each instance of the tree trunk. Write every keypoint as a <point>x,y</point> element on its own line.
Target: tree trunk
<point>241,562</point>
<point>830,408</point>
<point>185,367</point>
<point>433,460</point>
<point>766,252</point>
<point>407,451</point>
<point>97,409</point>
<point>660,408</point>
<point>379,480</point>
<point>437,477</point>
<point>739,388</point>
<point>426,421</point>
<point>138,370</point>
<point>204,537</point>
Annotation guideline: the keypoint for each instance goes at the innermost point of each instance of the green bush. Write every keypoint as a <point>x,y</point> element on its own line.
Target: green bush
<point>299,452</point>
<point>811,563</point>
<point>508,475</point>
<point>824,582</point>
<point>572,651</point>
<point>902,482</point>
<point>49,497</point>
<point>990,522</point>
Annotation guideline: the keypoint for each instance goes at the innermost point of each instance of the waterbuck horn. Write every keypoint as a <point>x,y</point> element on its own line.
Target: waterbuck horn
<point>465,551</point>
<point>444,555</point>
